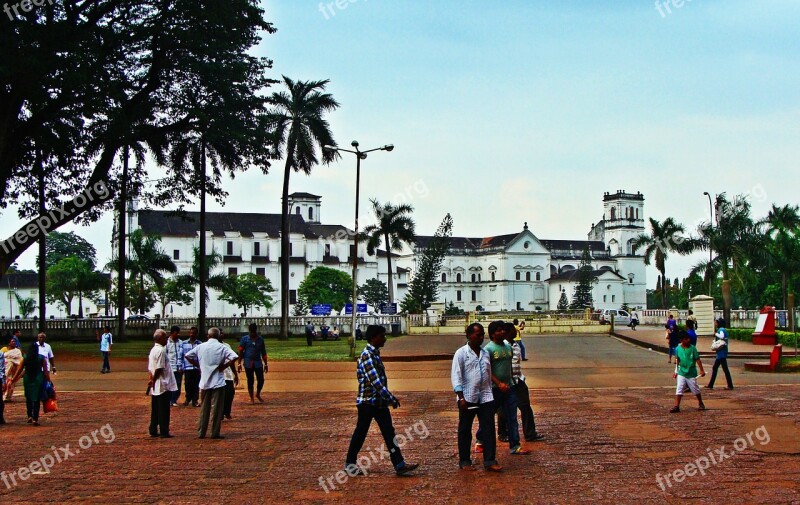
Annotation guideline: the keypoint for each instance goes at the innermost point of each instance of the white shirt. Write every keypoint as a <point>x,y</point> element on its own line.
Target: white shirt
<point>46,351</point>
<point>211,354</point>
<point>166,381</point>
<point>472,375</point>
<point>228,371</point>
<point>106,342</point>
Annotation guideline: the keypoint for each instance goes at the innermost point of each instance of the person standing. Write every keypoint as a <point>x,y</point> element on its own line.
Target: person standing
<point>13,358</point>
<point>191,374</point>
<point>373,402</point>
<point>309,332</point>
<point>212,358</point>
<point>634,319</point>
<point>722,355</point>
<point>253,353</point>
<point>687,361</point>
<point>2,386</point>
<point>175,358</point>
<point>523,395</point>
<point>519,327</point>
<point>47,352</point>
<point>162,382</point>
<point>471,377</point>
<point>105,348</point>
<point>672,337</point>
<point>16,335</point>
<point>691,328</point>
<point>36,373</point>
<point>231,381</point>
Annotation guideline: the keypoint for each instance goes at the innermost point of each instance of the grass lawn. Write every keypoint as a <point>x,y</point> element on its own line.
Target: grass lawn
<point>790,363</point>
<point>294,349</point>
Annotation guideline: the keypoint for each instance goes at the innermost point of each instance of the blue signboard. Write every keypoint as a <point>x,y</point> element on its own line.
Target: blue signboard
<point>321,309</point>
<point>389,308</point>
<point>362,308</point>
<point>782,319</point>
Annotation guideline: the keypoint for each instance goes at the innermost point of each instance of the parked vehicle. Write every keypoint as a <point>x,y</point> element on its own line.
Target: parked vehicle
<point>621,317</point>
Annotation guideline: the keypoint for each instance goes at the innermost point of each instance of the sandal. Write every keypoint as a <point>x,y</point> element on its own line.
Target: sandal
<point>674,409</point>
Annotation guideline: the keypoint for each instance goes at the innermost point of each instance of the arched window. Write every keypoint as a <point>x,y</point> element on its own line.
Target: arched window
<point>492,276</point>
<point>458,277</point>
<point>518,276</point>
<point>310,213</point>
<point>297,210</point>
<point>473,277</point>
<point>538,276</point>
<point>527,276</point>
<point>479,277</point>
<point>444,277</point>
<point>613,213</point>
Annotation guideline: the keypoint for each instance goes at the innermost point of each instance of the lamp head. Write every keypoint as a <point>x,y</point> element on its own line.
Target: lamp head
<point>354,143</point>
<point>705,193</point>
<point>389,147</point>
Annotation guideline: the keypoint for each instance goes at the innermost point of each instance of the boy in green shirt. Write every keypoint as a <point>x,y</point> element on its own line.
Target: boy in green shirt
<point>687,357</point>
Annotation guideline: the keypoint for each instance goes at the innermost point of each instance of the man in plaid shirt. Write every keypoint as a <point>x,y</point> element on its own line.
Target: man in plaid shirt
<point>373,402</point>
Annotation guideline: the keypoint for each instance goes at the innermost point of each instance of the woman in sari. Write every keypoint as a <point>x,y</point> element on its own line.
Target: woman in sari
<point>13,355</point>
<point>35,374</point>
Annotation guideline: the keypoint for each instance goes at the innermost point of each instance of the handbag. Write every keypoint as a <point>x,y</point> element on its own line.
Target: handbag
<point>718,344</point>
<point>50,405</point>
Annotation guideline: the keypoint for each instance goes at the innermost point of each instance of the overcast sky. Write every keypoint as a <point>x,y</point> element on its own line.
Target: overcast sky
<point>528,110</point>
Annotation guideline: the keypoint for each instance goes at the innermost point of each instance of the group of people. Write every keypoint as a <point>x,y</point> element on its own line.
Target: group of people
<point>325,331</point>
<point>688,365</point>
<point>34,366</point>
<point>209,373</point>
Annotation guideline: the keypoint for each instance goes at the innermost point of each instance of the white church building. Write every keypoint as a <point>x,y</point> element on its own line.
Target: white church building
<point>520,271</point>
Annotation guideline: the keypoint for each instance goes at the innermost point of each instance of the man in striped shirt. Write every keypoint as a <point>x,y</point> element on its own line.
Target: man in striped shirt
<point>373,402</point>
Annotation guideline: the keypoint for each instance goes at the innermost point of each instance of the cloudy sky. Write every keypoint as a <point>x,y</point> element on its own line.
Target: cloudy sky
<point>528,110</point>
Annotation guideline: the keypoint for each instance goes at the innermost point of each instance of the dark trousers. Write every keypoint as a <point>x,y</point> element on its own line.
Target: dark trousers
<point>466,417</point>
<point>717,363</point>
<point>106,364</point>
<point>192,385</point>
<point>525,411</point>
<point>507,404</point>
<point>229,392</point>
<point>258,375</point>
<point>174,395</point>
<point>2,410</point>
<point>33,408</point>
<point>309,337</point>
<point>366,413</point>
<point>159,414</point>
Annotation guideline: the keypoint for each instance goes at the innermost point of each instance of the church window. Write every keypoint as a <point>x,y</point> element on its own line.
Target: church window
<point>229,248</point>
<point>444,277</point>
<point>538,276</point>
<point>473,277</point>
<point>474,296</point>
<point>311,213</point>
<point>458,277</point>
<point>492,276</point>
<point>297,210</point>
<point>613,214</point>
<point>458,296</point>
<point>527,276</point>
<point>518,276</point>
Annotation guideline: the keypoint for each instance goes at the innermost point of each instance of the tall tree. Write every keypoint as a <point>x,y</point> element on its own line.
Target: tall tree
<point>248,291</point>
<point>177,290</point>
<point>325,285</point>
<point>582,296</point>
<point>782,226</point>
<point>148,261</point>
<point>78,81</point>
<point>72,277</point>
<point>563,301</point>
<point>212,261</point>
<point>424,287</point>
<point>374,292</point>
<point>65,245</point>
<point>394,229</point>
<point>297,116</point>
<point>663,238</point>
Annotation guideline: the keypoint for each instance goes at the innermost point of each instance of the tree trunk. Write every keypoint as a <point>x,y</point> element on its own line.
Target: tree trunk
<point>201,320</point>
<point>80,304</point>
<point>121,238</point>
<point>285,244</point>
<point>42,254</point>
<point>141,293</point>
<point>389,270</point>
<point>726,299</point>
<point>790,307</point>
<point>663,290</point>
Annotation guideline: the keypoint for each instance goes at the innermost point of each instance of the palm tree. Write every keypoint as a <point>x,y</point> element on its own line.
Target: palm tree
<point>783,229</point>
<point>216,281</point>
<point>395,228</point>
<point>147,260</point>
<point>297,118</point>
<point>663,238</point>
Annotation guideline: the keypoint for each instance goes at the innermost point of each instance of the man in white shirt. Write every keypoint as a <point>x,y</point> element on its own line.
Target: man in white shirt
<point>105,348</point>
<point>46,351</point>
<point>471,376</point>
<point>162,382</point>
<point>212,358</point>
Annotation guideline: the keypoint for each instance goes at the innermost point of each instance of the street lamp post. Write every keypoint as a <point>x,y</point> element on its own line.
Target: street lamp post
<point>360,155</point>
<point>710,223</point>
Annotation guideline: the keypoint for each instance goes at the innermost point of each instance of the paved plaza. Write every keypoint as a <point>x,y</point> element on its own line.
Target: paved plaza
<point>602,404</point>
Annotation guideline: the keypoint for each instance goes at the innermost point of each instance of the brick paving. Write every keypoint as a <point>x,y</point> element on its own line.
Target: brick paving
<point>602,446</point>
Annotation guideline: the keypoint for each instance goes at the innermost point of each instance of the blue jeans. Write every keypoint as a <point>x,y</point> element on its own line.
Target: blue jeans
<point>106,364</point>
<point>508,403</point>
<point>522,348</point>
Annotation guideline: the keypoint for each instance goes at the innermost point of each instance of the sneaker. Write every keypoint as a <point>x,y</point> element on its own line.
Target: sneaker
<point>173,404</point>
<point>702,406</point>
<point>478,448</point>
<point>406,467</point>
<point>519,451</point>
<point>674,409</point>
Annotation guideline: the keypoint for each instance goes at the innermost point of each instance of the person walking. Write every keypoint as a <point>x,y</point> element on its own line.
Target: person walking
<point>13,357</point>
<point>519,327</point>
<point>161,383</point>
<point>373,402</point>
<point>634,319</point>
<point>722,355</point>
<point>212,358</point>
<point>691,328</point>
<point>309,332</point>
<point>105,348</point>
<point>191,374</point>
<point>35,374</point>
<point>175,357</point>
<point>672,337</point>
<point>471,377</point>
<point>687,362</point>
<point>253,352</point>
<point>523,394</point>
<point>45,350</point>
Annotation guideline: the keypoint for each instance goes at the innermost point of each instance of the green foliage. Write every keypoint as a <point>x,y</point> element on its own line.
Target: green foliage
<point>424,287</point>
<point>582,297</point>
<point>452,310</point>
<point>395,228</point>
<point>248,291</point>
<point>133,296</point>
<point>215,281</point>
<point>65,245</point>
<point>664,238</point>
<point>563,302</point>
<point>72,277</point>
<point>25,306</point>
<point>301,308</point>
<point>325,285</point>
<point>148,261</point>
<point>374,292</point>
<point>178,290</point>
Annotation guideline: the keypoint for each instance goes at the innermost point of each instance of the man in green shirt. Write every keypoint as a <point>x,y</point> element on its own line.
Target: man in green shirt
<point>687,362</point>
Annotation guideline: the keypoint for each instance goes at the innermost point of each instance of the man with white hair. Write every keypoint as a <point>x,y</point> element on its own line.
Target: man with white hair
<point>162,382</point>
<point>212,357</point>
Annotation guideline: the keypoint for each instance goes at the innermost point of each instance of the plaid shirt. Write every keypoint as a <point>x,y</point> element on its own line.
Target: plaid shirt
<point>516,364</point>
<point>372,382</point>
